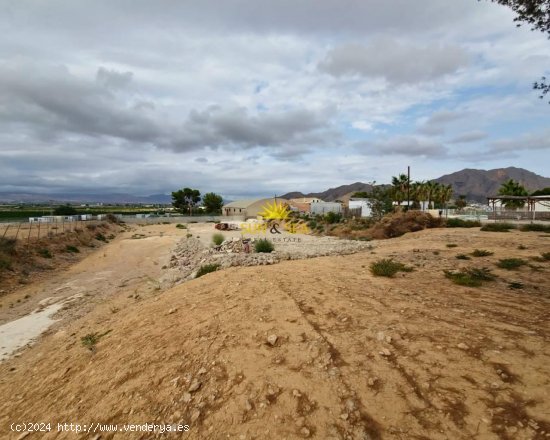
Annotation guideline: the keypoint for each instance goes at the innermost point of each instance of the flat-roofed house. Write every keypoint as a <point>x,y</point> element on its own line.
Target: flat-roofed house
<point>248,208</point>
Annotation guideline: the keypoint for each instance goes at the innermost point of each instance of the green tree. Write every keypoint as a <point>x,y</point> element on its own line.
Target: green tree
<point>512,188</point>
<point>380,200</point>
<point>65,210</point>
<point>536,13</point>
<point>542,192</point>
<point>461,202</point>
<point>186,199</point>
<point>399,188</point>
<point>212,202</point>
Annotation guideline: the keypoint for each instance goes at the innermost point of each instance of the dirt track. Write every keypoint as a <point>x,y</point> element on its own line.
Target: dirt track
<point>355,357</point>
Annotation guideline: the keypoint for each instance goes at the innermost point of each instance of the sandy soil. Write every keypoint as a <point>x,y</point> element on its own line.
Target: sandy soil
<point>318,348</point>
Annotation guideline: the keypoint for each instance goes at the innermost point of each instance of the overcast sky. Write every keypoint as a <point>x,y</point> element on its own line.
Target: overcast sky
<point>256,97</point>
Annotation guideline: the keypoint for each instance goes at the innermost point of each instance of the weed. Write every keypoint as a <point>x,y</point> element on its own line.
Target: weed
<point>459,223</point>
<point>435,252</point>
<point>471,277</point>
<point>515,285</point>
<point>7,245</point>
<point>451,245</point>
<point>71,248</point>
<point>189,235</point>
<point>522,247</point>
<point>263,245</point>
<point>91,339</point>
<point>5,262</point>
<point>207,268</point>
<point>180,226</point>
<point>462,257</point>
<point>536,227</point>
<point>99,236</point>
<point>45,253</point>
<point>386,267</point>
<point>511,263</point>
<point>545,256</point>
<point>218,238</point>
<point>481,253</point>
<point>498,227</point>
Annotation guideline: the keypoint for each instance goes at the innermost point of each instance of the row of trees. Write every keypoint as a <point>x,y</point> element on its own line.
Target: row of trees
<point>424,191</point>
<point>186,200</point>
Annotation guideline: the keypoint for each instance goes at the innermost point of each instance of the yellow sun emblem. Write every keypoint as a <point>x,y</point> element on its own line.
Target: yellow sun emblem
<point>275,211</point>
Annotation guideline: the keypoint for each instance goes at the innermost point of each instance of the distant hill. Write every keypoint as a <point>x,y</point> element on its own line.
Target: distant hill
<point>84,198</point>
<point>478,184</point>
<point>339,193</point>
<point>474,184</point>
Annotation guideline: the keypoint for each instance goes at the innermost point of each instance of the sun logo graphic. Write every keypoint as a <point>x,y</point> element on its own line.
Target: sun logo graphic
<point>275,211</point>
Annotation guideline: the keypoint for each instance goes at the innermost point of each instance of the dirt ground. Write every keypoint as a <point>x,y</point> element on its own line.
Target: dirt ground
<point>317,348</point>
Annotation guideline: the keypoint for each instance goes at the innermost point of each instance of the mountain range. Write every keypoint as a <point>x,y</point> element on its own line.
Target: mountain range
<point>476,185</point>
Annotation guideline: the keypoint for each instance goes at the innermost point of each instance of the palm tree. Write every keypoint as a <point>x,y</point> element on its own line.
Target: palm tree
<point>513,188</point>
<point>431,190</point>
<point>399,190</point>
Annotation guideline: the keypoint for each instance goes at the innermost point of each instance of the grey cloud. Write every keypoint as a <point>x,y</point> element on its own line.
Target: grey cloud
<point>471,136</point>
<point>403,145</point>
<point>539,141</point>
<point>438,121</point>
<point>113,79</point>
<point>396,61</point>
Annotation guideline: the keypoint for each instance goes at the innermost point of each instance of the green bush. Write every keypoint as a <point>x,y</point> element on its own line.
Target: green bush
<point>180,226</point>
<point>535,227</point>
<point>99,236</point>
<point>386,267</point>
<point>218,238</point>
<point>312,224</point>
<point>207,268</point>
<point>481,253</point>
<point>511,263</point>
<point>264,246</point>
<point>45,253</point>
<point>498,227</point>
<point>459,223</point>
<point>545,256</point>
<point>73,249</point>
<point>462,257</point>
<point>7,245</point>
<point>471,277</point>
<point>5,262</point>
<point>333,217</point>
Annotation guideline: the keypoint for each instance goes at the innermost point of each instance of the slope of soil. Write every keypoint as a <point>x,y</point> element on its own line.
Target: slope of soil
<point>316,348</point>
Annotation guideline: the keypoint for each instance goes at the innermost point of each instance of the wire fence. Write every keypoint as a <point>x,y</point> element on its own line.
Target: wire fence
<point>27,231</point>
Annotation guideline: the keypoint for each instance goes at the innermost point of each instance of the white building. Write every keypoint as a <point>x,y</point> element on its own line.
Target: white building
<point>363,204</point>
<point>323,208</point>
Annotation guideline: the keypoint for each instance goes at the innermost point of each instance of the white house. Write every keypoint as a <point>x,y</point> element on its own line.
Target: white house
<point>363,204</point>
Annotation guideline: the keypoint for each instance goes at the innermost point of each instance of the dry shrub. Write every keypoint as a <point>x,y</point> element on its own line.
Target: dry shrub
<point>399,223</point>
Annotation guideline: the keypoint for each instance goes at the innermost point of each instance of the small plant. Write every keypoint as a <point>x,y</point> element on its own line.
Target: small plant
<point>44,253</point>
<point>333,217</point>
<point>72,249</point>
<point>462,257</point>
<point>312,224</point>
<point>180,226</point>
<point>451,245</point>
<point>5,262</point>
<point>207,268</point>
<point>471,277</point>
<point>459,223</point>
<point>386,267</point>
<point>522,247</point>
<point>498,227</point>
<point>435,252</point>
<point>515,285</point>
<point>481,253</point>
<point>545,256</point>
<point>7,245</point>
<point>90,340</point>
<point>264,246</point>
<point>99,236</point>
<point>535,227</point>
<point>189,235</point>
<point>511,263</point>
<point>218,238</point>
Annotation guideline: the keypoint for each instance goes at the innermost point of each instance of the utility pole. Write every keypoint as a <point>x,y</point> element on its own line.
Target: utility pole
<point>408,187</point>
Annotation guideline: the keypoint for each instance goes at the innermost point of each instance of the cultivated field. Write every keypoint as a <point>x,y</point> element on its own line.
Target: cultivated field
<point>318,348</point>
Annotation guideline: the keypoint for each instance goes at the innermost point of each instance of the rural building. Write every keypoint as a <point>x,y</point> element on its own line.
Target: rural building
<point>323,208</point>
<point>360,204</point>
<point>249,208</point>
<point>303,204</point>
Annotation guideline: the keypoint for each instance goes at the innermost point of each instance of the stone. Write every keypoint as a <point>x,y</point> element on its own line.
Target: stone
<point>372,381</point>
<point>195,415</point>
<point>171,311</point>
<point>272,340</point>
<point>463,346</point>
<point>195,385</point>
<point>187,397</point>
<point>305,432</point>
<point>385,352</point>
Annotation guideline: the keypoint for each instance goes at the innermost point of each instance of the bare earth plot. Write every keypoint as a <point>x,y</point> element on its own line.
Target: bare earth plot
<point>316,348</point>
